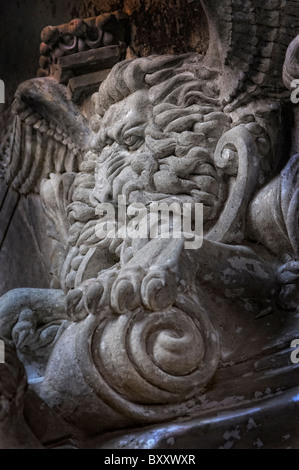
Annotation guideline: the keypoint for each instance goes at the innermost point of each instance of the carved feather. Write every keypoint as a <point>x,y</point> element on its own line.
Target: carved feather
<point>49,134</point>
<point>248,42</point>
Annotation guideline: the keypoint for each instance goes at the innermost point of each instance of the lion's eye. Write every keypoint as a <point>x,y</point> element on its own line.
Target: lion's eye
<point>130,140</point>
<point>133,141</point>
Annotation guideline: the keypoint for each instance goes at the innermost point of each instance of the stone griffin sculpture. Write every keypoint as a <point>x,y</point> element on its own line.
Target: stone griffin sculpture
<point>136,332</point>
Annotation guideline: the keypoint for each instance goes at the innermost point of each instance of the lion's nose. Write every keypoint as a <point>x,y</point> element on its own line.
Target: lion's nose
<point>107,196</point>
<point>98,197</point>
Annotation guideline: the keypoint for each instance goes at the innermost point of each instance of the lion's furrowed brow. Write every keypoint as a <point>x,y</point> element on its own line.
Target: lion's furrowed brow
<point>135,129</point>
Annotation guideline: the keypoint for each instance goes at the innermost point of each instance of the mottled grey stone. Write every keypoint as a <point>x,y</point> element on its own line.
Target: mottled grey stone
<point>185,341</point>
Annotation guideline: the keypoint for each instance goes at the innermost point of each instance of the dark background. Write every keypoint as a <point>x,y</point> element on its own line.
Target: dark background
<point>158,26</point>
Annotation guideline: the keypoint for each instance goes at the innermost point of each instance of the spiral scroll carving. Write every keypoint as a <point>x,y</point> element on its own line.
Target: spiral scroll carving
<point>145,360</point>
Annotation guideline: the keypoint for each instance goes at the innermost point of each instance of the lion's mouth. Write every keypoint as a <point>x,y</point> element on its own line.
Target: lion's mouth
<point>175,179</point>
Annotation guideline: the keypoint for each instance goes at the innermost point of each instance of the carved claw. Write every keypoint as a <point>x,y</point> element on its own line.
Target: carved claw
<point>91,297</point>
<point>86,299</point>
<point>24,331</point>
<point>125,294</point>
<point>28,337</point>
<point>97,295</point>
<point>155,288</point>
<point>159,288</point>
<point>75,304</point>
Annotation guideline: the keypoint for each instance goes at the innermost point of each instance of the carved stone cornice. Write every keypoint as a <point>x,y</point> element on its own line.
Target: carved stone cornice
<point>81,35</point>
<point>81,53</point>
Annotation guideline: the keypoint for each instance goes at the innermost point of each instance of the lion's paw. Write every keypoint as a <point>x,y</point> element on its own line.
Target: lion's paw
<point>123,291</point>
<point>154,289</point>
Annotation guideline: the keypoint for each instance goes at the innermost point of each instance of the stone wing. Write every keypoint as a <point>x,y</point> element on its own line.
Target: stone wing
<point>49,135</point>
<point>248,42</point>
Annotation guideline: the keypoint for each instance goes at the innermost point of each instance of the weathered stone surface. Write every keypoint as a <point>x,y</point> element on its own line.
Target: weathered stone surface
<point>61,42</point>
<point>87,62</point>
<point>82,86</point>
<point>25,251</point>
<point>163,333</point>
<point>246,427</point>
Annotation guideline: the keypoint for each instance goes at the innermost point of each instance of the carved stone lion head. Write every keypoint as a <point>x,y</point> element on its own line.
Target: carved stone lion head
<point>156,127</point>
